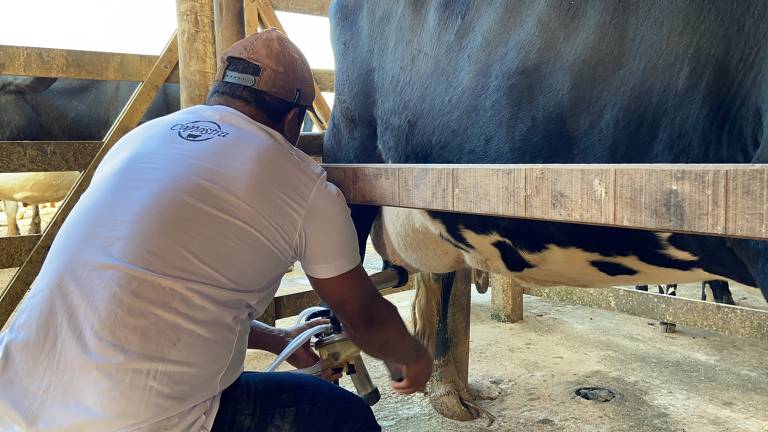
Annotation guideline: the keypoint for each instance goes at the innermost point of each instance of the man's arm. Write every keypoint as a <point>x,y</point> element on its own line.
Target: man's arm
<point>375,325</point>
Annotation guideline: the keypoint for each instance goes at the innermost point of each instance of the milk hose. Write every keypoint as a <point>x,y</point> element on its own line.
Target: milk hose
<point>296,343</point>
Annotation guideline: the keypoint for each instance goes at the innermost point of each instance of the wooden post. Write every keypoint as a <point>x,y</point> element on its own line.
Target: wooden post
<point>197,49</point>
<point>229,24</point>
<point>506,299</point>
<point>459,322</point>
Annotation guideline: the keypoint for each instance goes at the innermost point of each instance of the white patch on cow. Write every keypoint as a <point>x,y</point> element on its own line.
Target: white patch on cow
<point>412,239</point>
<point>571,266</point>
<point>673,251</point>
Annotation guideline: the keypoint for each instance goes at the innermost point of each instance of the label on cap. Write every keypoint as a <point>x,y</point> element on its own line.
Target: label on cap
<point>247,80</point>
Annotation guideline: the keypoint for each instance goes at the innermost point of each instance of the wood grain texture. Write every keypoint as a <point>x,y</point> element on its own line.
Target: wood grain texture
<point>127,120</point>
<point>46,156</point>
<point>727,200</point>
<point>92,65</point>
<point>197,50</point>
<point>506,299</point>
<point>228,24</point>
<point>306,7</point>
<point>62,63</point>
<point>14,250</point>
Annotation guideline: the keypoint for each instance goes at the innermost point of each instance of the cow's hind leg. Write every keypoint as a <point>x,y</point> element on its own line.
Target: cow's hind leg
<point>11,208</point>
<point>441,320</point>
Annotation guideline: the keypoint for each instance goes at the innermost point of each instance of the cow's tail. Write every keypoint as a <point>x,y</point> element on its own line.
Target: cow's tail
<point>425,308</point>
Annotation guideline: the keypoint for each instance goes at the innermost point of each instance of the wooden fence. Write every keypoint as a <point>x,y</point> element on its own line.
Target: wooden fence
<point>727,200</point>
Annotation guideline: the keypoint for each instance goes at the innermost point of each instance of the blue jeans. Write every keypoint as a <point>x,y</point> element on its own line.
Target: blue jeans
<point>284,401</point>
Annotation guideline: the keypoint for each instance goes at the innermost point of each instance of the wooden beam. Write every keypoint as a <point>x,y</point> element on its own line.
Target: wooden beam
<point>14,250</point>
<point>284,306</point>
<point>725,200</point>
<point>197,50</point>
<point>127,120</point>
<point>229,24</point>
<point>92,65</point>
<point>61,63</point>
<point>306,7</point>
<point>311,143</point>
<point>325,79</point>
<point>269,19</point>
<point>720,318</point>
<point>46,156</point>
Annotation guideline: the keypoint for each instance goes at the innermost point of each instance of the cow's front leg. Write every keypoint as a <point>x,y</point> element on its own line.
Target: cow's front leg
<point>11,208</point>
<point>441,320</point>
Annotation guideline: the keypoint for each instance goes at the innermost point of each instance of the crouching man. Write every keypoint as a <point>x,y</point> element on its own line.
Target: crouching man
<point>142,312</point>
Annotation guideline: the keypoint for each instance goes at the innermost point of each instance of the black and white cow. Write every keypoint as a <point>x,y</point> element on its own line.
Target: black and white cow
<point>547,81</point>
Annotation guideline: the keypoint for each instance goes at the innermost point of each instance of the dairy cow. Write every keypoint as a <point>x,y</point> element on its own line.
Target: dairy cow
<point>484,81</point>
<point>47,109</point>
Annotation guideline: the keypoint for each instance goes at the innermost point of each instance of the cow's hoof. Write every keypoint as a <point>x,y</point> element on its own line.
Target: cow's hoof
<point>450,397</point>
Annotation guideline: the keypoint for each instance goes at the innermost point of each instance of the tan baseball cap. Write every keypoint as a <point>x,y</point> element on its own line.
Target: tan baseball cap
<point>284,72</point>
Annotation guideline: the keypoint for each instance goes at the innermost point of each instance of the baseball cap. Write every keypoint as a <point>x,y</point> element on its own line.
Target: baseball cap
<point>283,70</point>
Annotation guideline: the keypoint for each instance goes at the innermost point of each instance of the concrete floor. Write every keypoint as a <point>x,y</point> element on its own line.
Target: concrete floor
<point>691,380</point>
<point>688,381</point>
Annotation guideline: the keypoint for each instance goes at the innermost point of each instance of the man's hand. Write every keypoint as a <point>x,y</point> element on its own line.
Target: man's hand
<point>305,357</point>
<point>415,375</point>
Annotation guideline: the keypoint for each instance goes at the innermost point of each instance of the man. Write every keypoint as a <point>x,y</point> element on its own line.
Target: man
<point>140,317</point>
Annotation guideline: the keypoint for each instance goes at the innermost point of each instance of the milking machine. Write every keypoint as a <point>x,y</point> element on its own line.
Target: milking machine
<point>336,350</point>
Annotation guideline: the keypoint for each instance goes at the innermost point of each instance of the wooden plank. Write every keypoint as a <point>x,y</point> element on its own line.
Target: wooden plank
<point>61,63</point>
<point>14,250</point>
<point>697,199</point>
<point>46,156</point>
<point>720,318</point>
<point>228,23</point>
<point>284,306</point>
<point>311,143</point>
<point>306,7</point>
<point>269,19</point>
<point>127,120</point>
<point>325,79</point>
<point>197,50</point>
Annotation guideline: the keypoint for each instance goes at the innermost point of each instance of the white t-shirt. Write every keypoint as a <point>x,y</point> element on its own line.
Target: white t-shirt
<point>140,315</point>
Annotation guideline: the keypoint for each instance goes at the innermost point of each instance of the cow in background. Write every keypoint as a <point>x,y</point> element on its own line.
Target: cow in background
<point>50,109</point>
<point>531,82</point>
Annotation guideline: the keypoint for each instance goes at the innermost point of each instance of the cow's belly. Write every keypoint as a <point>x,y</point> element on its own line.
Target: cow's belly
<point>412,239</point>
<point>36,187</point>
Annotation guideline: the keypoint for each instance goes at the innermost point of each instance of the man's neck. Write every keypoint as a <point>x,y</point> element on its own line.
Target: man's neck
<point>253,113</point>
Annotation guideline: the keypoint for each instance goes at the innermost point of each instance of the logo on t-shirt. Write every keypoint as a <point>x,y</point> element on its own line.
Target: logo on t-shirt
<point>199,130</point>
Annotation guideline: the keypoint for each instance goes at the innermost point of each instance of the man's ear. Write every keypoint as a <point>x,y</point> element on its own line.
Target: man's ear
<point>290,127</point>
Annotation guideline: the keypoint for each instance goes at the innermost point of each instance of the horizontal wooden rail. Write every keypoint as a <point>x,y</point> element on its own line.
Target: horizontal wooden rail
<point>306,7</point>
<point>42,156</point>
<point>14,250</point>
<point>720,318</point>
<point>726,200</point>
<point>31,156</point>
<point>288,305</point>
<point>62,63</point>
